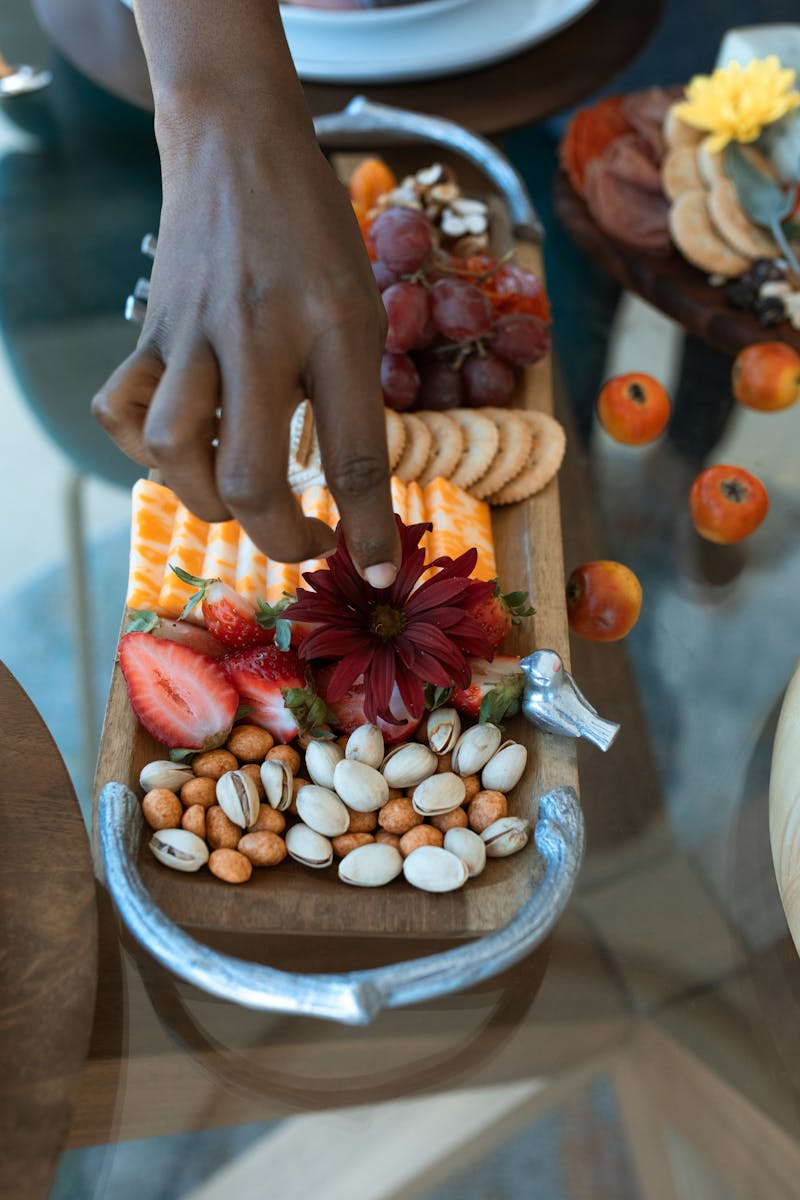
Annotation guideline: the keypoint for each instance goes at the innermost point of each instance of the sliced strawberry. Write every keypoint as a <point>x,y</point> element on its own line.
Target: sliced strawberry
<point>348,713</point>
<point>181,697</point>
<point>273,683</point>
<point>500,611</point>
<point>193,636</point>
<point>495,691</point>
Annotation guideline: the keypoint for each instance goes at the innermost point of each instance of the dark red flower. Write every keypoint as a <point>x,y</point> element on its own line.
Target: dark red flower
<point>410,633</point>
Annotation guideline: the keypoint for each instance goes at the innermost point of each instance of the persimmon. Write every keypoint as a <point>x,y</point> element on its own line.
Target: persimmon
<point>604,599</point>
<point>727,503</point>
<point>634,408</point>
<point>766,376</point>
<point>371,179</point>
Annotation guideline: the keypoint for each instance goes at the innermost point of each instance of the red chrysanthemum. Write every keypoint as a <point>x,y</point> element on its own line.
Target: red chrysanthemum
<point>405,634</point>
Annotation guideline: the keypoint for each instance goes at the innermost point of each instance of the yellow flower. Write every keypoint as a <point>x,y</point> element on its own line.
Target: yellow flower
<point>735,103</point>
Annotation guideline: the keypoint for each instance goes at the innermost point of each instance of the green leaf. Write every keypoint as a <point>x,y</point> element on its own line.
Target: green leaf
<point>760,197</point>
<point>193,581</point>
<point>435,697</point>
<point>243,711</point>
<point>141,620</point>
<point>182,755</point>
<point>502,700</point>
<point>269,617</point>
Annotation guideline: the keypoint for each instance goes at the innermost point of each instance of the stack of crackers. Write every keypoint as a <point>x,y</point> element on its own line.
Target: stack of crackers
<point>707,223</point>
<point>499,455</point>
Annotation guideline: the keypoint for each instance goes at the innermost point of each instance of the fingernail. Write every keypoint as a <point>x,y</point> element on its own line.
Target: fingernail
<point>381,575</point>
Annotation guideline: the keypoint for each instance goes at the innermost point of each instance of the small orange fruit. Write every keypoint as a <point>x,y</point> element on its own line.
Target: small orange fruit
<point>766,376</point>
<point>634,408</point>
<point>727,504</point>
<point>604,599</point>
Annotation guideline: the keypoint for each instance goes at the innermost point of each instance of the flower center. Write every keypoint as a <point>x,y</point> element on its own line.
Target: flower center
<point>386,621</point>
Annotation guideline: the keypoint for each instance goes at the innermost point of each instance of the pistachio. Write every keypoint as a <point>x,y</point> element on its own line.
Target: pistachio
<point>308,847</point>
<point>438,794</point>
<point>179,849</point>
<point>371,866</point>
<point>361,787</point>
<point>237,796</point>
<point>506,836</point>
<point>165,774</point>
<point>467,846</point>
<point>434,869</point>
<point>475,747</point>
<point>322,810</point>
<point>504,769</point>
<point>278,781</point>
<point>321,759</point>
<point>407,765</point>
<point>365,745</point>
<point>444,730</point>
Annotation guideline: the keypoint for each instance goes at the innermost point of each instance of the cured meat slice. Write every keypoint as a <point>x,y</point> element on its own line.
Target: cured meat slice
<point>633,214</point>
<point>646,111</point>
<point>588,134</point>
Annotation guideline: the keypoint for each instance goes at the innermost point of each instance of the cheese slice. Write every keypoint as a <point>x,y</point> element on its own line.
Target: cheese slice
<point>153,509</point>
<point>251,569</point>
<point>460,521</point>
<point>222,548</point>
<point>187,549</point>
<point>316,502</point>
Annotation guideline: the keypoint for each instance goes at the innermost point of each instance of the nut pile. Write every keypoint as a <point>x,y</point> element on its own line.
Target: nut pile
<point>430,810</point>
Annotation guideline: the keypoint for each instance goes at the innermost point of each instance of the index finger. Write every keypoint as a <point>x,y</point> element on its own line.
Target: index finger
<point>348,408</point>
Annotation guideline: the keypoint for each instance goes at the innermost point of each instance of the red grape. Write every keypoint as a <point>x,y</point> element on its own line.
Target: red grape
<point>407,308</point>
<point>441,386</point>
<point>384,276</point>
<point>487,380</point>
<point>402,238</point>
<point>459,310</point>
<point>399,380</point>
<point>512,280</point>
<point>519,339</point>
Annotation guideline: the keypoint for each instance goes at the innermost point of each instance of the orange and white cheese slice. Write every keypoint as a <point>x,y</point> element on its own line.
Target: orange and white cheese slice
<point>251,569</point>
<point>459,521</point>
<point>153,509</point>
<point>187,549</point>
<point>222,549</point>
<point>316,502</point>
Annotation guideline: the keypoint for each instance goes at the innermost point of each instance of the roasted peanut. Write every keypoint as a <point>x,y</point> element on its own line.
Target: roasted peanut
<point>422,835</point>
<point>269,820</point>
<point>485,808</point>
<point>445,763</point>
<point>361,822</point>
<point>398,816</point>
<point>194,819</point>
<point>253,771</point>
<point>263,849</point>
<point>455,819</point>
<point>221,832</point>
<point>387,839</point>
<point>214,763</point>
<point>473,785</point>
<point>200,790</point>
<point>230,866</point>
<point>250,743</point>
<point>286,754</point>
<point>162,809</point>
<point>346,842</point>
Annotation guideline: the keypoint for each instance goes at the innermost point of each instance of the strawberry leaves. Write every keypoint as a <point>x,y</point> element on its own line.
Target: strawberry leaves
<point>269,617</point>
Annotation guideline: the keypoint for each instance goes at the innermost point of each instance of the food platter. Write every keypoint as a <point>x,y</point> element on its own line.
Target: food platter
<point>292,900</point>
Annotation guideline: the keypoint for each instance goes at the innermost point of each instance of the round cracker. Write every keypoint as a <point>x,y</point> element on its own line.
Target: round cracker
<point>698,241</point>
<point>544,459</point>
<point>677,132</point>
<point>515,440</point>
<point>395,436</point>
<point>734,224</point>
<point>710,163</point>
<point>679,171</point>
<point>447,445</point>
<point>481,440</point>
<point>417,449</point>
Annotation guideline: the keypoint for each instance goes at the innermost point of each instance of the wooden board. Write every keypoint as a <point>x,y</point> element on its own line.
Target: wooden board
<point>292,899</point>
<point>668,282</point>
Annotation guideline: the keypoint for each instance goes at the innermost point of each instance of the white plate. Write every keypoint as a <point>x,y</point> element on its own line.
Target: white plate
<point>429,41</point>
<point>336,20</point>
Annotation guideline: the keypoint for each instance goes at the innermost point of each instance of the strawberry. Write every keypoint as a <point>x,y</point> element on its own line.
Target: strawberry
<point>495,691</point>
<point>193,636</point>
<point>181,697</point>
<point>348,713</point>
<point>500,611</point>
<point>273,683</point>
<point>232,619</point>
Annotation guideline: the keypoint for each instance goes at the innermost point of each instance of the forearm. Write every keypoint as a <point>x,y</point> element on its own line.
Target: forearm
<point>221,65</point>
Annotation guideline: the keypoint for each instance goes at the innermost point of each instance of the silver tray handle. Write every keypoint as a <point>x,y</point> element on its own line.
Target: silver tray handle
<point>363,117</point>
<point>355,997</point>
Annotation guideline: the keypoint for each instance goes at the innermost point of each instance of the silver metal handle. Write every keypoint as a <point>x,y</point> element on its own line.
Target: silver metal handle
<point>356,997</point>
<point>363,117</point>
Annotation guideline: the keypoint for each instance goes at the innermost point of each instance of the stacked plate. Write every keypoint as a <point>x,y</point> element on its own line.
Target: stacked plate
<point>418,40</point>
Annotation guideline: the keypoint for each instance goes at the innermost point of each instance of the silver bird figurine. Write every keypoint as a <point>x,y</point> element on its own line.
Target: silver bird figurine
<point>554,702</point>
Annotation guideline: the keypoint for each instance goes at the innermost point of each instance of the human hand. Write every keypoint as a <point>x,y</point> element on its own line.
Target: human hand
<point>261,293</point>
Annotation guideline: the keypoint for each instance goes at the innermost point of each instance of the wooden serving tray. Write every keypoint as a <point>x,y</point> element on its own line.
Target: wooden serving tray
<point>668,282</point>
<point>292,899</point>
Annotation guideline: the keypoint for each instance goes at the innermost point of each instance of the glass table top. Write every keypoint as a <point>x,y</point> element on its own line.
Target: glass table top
<point>650,1049</point>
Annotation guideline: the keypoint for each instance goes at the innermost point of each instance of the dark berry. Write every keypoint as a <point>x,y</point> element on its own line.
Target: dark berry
<point>741,295</point>
<point>771,311</point>
<point>764,269</point>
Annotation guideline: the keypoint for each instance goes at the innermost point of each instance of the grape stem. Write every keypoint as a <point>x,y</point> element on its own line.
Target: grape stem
<point>477,276</point>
